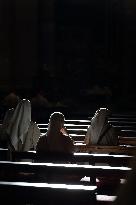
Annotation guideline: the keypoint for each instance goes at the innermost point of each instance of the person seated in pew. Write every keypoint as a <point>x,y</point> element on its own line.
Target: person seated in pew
<point>101,132</point>
<point>56,139</point>
<point>3,128</point>
<point>22,132</point>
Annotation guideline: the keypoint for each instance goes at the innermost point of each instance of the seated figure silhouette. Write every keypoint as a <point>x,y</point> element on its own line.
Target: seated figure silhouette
<point>100,131</point>
<point>57,141</point>
<point>3,128</point>
<point>22,131</point>
<point>56,138</point>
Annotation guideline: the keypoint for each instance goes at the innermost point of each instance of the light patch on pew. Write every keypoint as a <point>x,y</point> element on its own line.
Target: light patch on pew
<point>85,166</point>
<point>72,125</point>
<point>68,165</point>
<point>46,185</point>
<point>105,198</point>
<point>102,155</point>
<point>114,168</point>
<point>78,120</point>
<point>78,129</point>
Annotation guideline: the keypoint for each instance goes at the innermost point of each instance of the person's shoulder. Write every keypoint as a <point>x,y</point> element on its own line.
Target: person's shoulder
<point>43,137</point>
<point>42,144</point>
<point>42,140</point>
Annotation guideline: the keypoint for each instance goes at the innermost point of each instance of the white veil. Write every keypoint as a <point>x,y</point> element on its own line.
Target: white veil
<point>98,123</point>
<point>20,122</point>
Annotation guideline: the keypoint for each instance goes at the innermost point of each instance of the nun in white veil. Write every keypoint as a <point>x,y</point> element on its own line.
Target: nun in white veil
<point>100,132</point>
<point>23,133</point>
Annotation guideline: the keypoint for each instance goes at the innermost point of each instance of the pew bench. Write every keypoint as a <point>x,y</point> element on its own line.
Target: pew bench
<point>128,133</point>
<point>8,168</point>
<point>4,154</point>
<point>44,193</point>
<point>113,160</point>
<point>120,122</point>
<point>105,199</point>
<point>65,174</point>
<point>39,193</point>
<point>122,118</point>
<point>127,140</point>
<point>91,158</point>
<point>80,131</point>
<point>119,149</point>
<point>81,157</point>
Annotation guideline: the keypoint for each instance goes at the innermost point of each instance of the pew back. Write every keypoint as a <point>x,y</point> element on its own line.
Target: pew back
<point>44,193</point>
<point>113,160</point>
<point>48,169</point>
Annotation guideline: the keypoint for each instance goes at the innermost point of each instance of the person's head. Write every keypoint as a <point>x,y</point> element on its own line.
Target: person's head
<point>11,100</point>
<point>103,111</point>
<point>56,121</point>
<point>100,117</point>
<point>24,109</point>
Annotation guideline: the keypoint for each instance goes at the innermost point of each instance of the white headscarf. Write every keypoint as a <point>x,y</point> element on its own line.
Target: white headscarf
<point>20,122</point>
<point>98,124</point>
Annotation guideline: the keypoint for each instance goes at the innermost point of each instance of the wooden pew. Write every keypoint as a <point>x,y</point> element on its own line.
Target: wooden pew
<point>56,173</point>
<point>105,199</point>
<point>11,171</point>
<point>128,133</point>
<point>122,133</point>
<point>113,160</point>
<point>127,140</point>
<point>44,193</point>
<point>84,157</point>
<point>119,122</point>
<point>37,193</point>
<point>80,147</point>
<point>119,149</point>
<point>123,140</point>
<point>4,154</point>
<point>68,125</point>
<point>74,122</point>
<point>128,119</point>
<point>78,121</point>
<point>80,131</point>
<point>124,127</point>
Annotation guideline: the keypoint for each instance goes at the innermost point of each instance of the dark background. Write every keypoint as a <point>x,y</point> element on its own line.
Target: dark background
<point>78,52</point>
